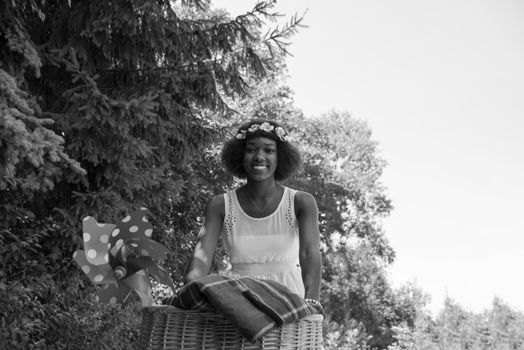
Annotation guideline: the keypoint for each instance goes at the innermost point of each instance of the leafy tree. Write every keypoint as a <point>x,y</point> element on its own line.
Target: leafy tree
<point>505,326</point>
<point>415,329</point>
<point>411,302</point>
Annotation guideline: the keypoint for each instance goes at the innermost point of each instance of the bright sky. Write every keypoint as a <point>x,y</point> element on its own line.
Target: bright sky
<point>441,84</point>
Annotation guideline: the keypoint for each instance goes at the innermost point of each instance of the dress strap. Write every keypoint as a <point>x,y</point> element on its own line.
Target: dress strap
<point>290,208</point>
<point>229,218</point>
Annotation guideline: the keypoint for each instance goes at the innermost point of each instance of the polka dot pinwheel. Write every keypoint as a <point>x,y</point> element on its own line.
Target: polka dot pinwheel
<point>122,258</point>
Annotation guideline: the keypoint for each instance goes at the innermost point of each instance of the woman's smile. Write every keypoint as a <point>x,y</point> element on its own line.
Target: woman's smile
<point>259,166</point>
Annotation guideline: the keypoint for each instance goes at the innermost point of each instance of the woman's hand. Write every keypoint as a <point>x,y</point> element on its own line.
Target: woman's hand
<point>316,305</point>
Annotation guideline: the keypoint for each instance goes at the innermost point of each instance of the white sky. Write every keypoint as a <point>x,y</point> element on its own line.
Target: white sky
<point>441,84</point>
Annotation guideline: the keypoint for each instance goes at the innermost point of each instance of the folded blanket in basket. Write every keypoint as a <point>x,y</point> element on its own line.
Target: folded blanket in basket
<point>254,306</point>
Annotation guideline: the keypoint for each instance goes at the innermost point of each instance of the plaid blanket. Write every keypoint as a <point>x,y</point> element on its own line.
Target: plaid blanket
<point>254,306</point>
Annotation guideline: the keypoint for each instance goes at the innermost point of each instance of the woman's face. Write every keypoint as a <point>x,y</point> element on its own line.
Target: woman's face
<point>260,158</point>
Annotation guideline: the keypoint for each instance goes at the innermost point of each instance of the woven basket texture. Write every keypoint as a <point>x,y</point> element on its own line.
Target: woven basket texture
<point>168,327</point>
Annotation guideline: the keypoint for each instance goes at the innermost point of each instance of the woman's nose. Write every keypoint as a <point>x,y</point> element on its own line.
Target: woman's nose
<point>259,155</point>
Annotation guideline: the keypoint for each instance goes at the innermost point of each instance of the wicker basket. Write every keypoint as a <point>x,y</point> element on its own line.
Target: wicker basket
<point>167,327</point>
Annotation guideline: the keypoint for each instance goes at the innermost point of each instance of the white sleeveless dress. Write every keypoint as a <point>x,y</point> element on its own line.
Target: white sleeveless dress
<point>265,248</point>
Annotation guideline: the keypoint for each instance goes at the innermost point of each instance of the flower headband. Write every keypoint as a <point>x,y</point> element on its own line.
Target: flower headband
<point>278,131</point>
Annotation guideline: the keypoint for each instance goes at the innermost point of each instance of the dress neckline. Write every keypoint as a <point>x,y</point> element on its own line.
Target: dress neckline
<point>235,197</point>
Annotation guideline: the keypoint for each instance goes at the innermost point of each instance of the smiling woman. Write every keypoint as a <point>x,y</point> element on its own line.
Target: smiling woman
<point>270,231</point>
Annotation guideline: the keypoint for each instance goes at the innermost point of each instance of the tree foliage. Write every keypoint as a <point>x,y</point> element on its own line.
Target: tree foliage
<point>498,328</point>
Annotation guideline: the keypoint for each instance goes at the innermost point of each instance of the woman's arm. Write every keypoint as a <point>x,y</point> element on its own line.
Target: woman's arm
<point>306,211</point>
<point>202,259</point>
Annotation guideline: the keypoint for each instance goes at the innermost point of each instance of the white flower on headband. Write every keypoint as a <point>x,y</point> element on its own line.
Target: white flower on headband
<point>281,133</point>
<point>267,127</point>
<point>253,128</point>
<point>241,135</point>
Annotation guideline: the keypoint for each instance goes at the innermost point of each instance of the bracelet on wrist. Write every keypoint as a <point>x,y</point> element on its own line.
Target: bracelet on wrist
<point>313,301</point>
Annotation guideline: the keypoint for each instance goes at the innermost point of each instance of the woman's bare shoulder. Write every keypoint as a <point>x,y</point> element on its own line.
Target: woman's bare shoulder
<point>304,201</point>
<point>215,205</point>
<point>304,197</point>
